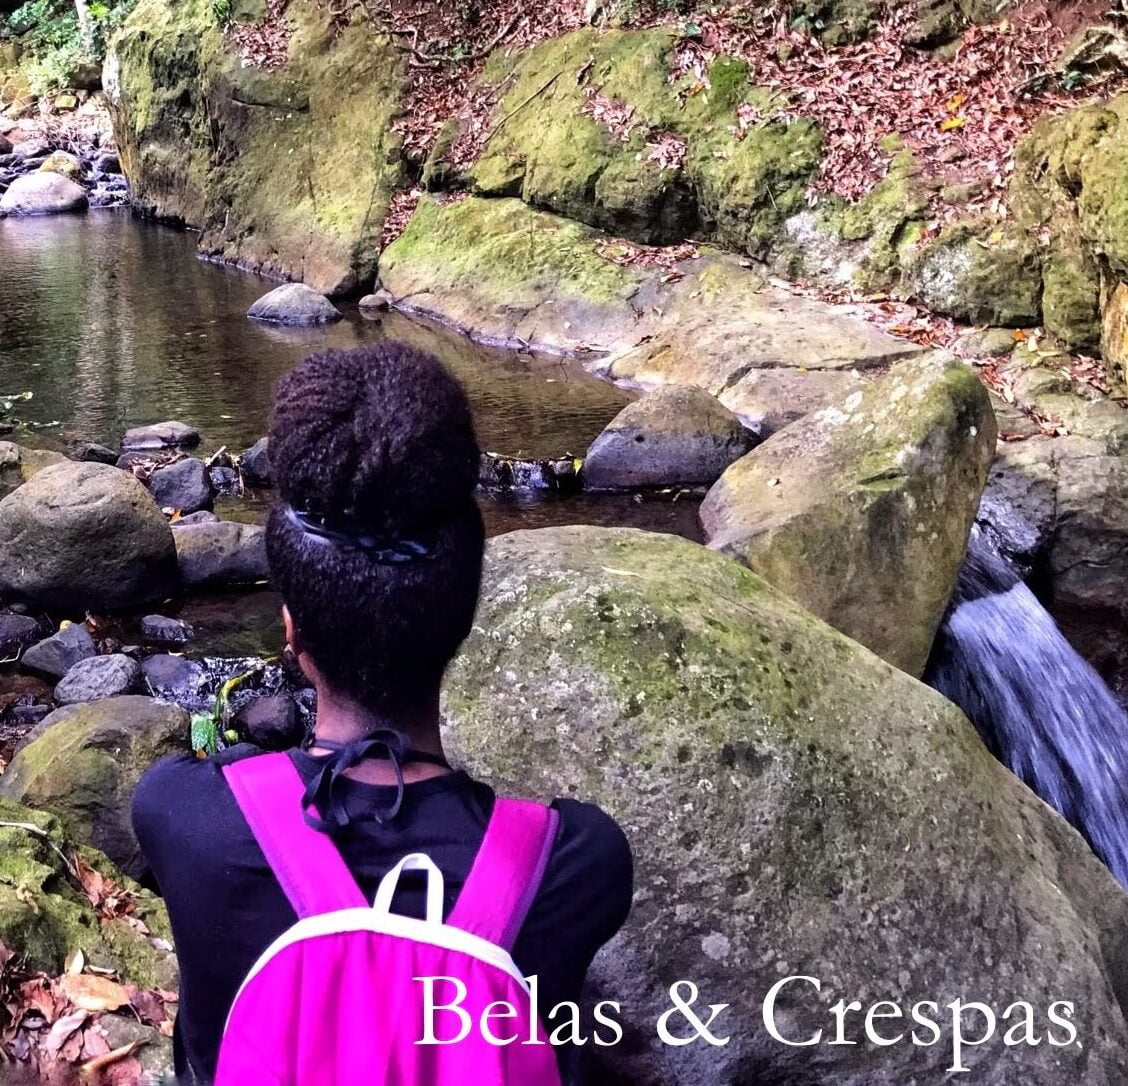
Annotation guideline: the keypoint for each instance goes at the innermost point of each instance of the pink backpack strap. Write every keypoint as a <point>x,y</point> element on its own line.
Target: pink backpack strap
<point>269,791</point>
<point>507,871</point>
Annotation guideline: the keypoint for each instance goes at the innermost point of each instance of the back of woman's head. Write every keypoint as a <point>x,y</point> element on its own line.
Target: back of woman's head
<point>376,545</point>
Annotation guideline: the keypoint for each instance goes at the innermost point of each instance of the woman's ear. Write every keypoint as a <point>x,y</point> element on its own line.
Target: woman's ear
<point>289,632</point>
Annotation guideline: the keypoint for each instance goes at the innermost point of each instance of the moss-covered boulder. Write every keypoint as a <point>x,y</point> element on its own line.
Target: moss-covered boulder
<point>83,762</point>
<point>861,511</point>
<point>45,914</point>
<point>288,170</point>
<point>510,274</point>
<point>596,126</point>
<point>795,807</point>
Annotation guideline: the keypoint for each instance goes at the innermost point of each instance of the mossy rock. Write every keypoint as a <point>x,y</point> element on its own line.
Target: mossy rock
<point>866,503</point>
<point>980,274</point>
<point>44,915</point>
<point>289,171</point>
<point>83,762</point>
<point>795,807</point>
<point>549,148</point>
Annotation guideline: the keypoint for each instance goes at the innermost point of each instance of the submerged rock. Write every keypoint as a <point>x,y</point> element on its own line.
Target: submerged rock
<point>294,303</point>
<point>221,553</point>
<point>83,536</point>
<point>83,762</point>
<point>57,654</point>
<point>42,194</point>
<point>44,916</point>
<point>861,511</point>
<point>160,435</point>
<point>99,677</point>
<point>795,806</point>
<point>183,486</point>
<point>670,437</point>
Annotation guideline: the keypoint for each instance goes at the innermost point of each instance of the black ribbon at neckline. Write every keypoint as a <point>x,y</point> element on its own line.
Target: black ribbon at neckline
<point>323,794</point>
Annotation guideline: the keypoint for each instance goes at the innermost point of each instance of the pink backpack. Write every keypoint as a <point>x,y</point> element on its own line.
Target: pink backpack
<point>334,1000</point>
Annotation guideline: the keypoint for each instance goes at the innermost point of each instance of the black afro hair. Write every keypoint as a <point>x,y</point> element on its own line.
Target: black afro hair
<point>381,440</point>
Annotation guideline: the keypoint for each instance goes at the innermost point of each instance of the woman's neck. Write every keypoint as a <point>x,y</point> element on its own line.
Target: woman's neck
<point>342,720</point>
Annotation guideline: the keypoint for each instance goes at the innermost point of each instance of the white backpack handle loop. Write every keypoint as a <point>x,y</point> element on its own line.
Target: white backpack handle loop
<point>414,861</point>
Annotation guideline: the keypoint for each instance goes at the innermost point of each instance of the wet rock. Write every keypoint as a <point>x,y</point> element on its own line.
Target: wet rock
<point>271,722</point>
<point>42,194</point>
<point>85,536</point>
<point>654,666</point>
<point>255,463</point>
<point>5,148</point>
<point>56,655</point>
<point>99,677</point>
<point>670,437</point>
<point>18,464</point>
<point>96,454</point>
<point>163,630</point>
<point>83,763</point>
<point>376,303</point>
<point>108,163</point>
<point>224,480</point>
<point>184,485</point>
<point>221,553</point>
<point>294,303</point>
<point>160,435</point>
<point>60,162</point>
<point>17,632</point>
<point>173,677</point>
<point>866,503</point>
<point>44,916</point>
<point>33,148</point>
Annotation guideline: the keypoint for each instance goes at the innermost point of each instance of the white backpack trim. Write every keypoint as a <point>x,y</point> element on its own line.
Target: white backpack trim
<point>380,920</point>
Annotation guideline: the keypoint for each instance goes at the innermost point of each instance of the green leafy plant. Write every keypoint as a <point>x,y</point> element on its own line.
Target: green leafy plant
<point>209,732</point>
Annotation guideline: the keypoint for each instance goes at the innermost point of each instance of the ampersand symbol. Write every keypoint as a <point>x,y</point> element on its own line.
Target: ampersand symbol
<point>684,1007</point>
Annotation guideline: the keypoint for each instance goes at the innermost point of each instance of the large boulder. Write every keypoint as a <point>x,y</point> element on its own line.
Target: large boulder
<point>83,536</point>
<point>221,553</point>
<point>671,436</point>
<point>796,807</point>
<point>64,163</point>
<point>42,194</point>
<point>83,761</point>
<point>45,916</point>
<point>294,303</point>
<point>861,512</point>
<point>288,167</point>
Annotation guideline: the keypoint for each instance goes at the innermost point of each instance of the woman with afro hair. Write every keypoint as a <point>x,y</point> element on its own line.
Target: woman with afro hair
<point>375,545</point>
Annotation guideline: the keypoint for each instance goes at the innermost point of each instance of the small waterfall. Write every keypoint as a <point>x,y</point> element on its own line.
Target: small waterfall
<point>1042,710</point>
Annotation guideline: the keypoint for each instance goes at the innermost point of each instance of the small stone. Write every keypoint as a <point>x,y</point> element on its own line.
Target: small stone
<point>172,677</point>
<point>255,463</point>
<point>160,435</point>
<point>56,655</point>
<point>16,633</point>
<point>164,630</point>
<point>94,453</point>
<point>99,677</point>
<point>294,303</point>
<point>224,480</point>
<point>184,486</point>
<point>272,722</point>
<point>378,302</point>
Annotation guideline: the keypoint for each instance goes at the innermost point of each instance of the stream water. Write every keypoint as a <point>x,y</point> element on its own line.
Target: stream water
<point>111,322</point>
